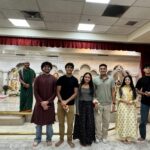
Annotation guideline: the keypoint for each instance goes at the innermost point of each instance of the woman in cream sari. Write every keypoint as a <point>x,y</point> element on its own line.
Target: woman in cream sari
<point>126,124</point>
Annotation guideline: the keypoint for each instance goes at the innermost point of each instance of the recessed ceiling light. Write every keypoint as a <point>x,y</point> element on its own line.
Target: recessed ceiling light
<point>98,1</point>
<point>19,22</point>
<point>86,27</point>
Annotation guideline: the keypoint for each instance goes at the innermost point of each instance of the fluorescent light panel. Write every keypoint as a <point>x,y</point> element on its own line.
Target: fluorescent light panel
<point>19,22</point>
<point>86,27</point>
<point>98,1</point>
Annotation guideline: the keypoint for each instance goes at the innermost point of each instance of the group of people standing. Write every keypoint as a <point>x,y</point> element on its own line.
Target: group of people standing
<point>94,99</point>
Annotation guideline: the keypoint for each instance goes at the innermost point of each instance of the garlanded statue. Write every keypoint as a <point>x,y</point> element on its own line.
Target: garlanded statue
<point>119,73</point>
<point>13,80</point>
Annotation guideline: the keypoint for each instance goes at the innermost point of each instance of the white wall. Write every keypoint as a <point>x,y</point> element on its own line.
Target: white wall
<point>130,63</point>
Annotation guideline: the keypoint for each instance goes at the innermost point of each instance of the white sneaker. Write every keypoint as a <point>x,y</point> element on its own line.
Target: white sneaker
<point>105,141</point>
<point>35,143</point>
<point>98,140</point>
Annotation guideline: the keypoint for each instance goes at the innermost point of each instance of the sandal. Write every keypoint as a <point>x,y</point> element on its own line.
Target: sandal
<point>128,142</point>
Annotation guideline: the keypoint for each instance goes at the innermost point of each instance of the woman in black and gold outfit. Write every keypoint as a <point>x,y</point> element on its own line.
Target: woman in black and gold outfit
<point>84,128</point>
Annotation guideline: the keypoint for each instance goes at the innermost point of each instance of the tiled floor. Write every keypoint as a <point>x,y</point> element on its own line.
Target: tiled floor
<point>24,142</point>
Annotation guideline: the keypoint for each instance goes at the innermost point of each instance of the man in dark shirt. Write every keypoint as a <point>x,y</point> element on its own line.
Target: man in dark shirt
<point>143,88</point>
<point>67,87</point>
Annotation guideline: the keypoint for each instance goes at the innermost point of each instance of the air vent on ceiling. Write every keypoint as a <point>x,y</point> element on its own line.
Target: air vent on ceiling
<point>114,10</point>
<point>32,15</point>
<point>131,23</point>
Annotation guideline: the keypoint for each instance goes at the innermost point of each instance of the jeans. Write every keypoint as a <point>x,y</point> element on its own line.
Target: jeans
<point>144,117</point>
<point>49,133</point>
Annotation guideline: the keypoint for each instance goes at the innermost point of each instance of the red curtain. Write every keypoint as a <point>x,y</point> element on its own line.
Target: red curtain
<point>73,44</point>
<point>20,41</point>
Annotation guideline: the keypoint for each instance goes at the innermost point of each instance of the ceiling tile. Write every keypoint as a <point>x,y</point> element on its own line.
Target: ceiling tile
<point>61,6</point>
<point>72,0</point>
<point>123,21</point>
<point>137,12</point>
<point>5,23</point>
<point>143,3</point>
<point>123,3</point>
<point>36,24</point>
<point>98,20</point>
<point>61,27</point>
<point>94,9</point>
<point>12,14</point>
<point>100,28</point>
<point>1,15</point>
<point>64,15</point>
<point>19,4</point>
<point>120,30</point>
<point>61,17</point>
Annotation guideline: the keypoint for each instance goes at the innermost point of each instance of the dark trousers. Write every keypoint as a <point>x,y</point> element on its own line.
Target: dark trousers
<point>144,118</point>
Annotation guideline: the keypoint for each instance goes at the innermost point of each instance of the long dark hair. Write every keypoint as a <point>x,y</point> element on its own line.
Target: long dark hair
<point>90,84</point>
<point>131,85</point>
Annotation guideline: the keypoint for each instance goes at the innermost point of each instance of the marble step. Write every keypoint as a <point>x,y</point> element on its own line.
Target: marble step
<point>26,115</point>
<point>29,129</point>
<point>18,118</point>
<point>11,120</point>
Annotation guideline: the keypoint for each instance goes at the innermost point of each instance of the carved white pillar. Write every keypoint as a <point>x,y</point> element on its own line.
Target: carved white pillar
<point>5,78</point>
<point>1,81</point>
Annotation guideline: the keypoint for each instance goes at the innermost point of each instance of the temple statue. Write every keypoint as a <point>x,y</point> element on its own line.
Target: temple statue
<point>118,73</point>
<point>13,80</point>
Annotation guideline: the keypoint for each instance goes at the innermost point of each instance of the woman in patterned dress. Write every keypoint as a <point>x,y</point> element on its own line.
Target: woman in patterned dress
<point>84,128</point>
<point>126,124</point>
